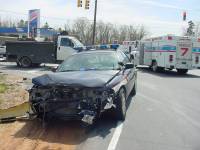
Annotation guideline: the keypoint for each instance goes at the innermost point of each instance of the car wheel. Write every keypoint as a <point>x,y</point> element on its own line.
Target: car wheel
<point>120,111</point>
<point>25,62</point>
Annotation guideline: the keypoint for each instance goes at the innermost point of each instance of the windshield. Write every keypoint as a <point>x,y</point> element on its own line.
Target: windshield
<point>123,48</point>
<point>77,42</point>
<point>90,61</point>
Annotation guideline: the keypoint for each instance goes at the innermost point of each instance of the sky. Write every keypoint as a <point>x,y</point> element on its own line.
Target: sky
<point>160,17</point>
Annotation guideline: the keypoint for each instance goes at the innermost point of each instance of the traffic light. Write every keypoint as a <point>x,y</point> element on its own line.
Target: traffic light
<point>87,4</point>
<point>184,16</point>
<point>80,3</point>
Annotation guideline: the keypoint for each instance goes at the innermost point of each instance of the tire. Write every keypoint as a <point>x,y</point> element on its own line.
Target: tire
<point>18,64</point>
<point>154,66</point>
<point>25,62</point>
<point>182,71</point>
<point>120,111</point>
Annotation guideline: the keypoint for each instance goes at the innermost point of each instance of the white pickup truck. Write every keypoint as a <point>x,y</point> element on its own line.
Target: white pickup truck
<point>33,53</point>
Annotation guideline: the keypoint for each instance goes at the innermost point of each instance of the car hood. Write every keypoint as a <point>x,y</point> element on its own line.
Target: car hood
<point>76,78</point>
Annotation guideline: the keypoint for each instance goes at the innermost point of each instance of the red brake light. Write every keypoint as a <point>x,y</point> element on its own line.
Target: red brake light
<point>169,37</point>
<point>197,59</point>
<point>170,58</point>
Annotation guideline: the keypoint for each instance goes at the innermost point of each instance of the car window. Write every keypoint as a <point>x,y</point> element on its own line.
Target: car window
<point>123,57</point>
<point>66,42</point>
<point>77,42</point>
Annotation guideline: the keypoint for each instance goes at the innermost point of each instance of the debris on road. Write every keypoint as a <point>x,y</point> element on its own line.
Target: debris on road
<point>11,114</point>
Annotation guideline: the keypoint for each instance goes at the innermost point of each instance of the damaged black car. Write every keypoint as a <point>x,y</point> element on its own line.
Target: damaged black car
<point>84,86</point>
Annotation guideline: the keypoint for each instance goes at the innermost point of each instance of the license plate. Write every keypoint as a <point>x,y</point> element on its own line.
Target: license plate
<point>184,63</point>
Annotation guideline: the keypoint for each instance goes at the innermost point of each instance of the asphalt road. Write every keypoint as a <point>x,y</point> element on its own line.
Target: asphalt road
<point>164,115</point>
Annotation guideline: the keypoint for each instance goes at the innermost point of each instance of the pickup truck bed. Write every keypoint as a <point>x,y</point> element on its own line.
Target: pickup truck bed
<point>30,53</point>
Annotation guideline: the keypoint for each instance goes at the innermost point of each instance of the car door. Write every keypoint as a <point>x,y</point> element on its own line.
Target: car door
<point>65,48</point>
<point>129,74</point>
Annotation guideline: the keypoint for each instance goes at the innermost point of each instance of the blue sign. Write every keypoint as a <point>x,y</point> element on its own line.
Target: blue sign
<point>14,30</point>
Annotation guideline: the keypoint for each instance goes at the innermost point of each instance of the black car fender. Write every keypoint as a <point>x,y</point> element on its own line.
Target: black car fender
<point>118,82</point>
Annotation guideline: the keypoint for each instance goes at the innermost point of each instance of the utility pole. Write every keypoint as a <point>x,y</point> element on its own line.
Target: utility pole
<point>94,24</point>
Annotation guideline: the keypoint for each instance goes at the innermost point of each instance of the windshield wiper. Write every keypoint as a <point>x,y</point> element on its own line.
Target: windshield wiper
<point>88,69</point>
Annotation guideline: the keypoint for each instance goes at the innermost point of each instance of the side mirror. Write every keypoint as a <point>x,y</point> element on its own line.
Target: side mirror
<point>54,69</point>
<point>121,63</point>
<point>129,66</point>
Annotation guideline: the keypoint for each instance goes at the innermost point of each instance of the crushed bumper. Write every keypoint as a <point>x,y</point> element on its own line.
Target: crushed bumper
<point>83,104</point>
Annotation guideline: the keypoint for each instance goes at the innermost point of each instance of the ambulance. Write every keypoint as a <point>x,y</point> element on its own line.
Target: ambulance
<point>170,52</point>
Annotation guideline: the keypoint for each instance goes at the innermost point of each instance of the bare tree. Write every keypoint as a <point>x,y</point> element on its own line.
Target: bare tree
<point>190,29</point>
<point>13,23</point>
<point>142,32</point>
<point>82,28</point>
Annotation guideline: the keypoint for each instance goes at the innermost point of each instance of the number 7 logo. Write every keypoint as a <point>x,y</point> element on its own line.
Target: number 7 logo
<point>184,51</point>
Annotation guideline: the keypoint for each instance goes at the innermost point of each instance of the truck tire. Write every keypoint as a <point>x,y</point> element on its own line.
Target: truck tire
<point>182,71</point>
<point>154,66</point>
<point>120,111</point>
<point>25,62</point>
<point>18,64</point>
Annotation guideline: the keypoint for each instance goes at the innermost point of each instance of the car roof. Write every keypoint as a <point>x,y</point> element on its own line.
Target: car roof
<point>110,51</point>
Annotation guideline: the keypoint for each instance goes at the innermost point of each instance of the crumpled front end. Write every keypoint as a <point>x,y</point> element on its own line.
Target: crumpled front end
<point>70,102</point>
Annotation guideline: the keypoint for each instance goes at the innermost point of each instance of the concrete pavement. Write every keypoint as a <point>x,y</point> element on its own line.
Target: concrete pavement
<point>164,114</point>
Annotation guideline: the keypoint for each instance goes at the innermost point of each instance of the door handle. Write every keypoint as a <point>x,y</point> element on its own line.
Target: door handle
<point>59,47</point>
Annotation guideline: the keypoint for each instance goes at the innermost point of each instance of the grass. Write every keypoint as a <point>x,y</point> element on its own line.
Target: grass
<point>2,78</point>
<point>3,88</point>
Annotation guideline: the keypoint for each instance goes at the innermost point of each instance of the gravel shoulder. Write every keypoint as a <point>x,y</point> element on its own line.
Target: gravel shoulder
<point>13,91</point>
